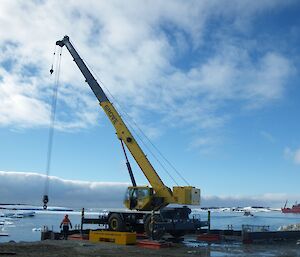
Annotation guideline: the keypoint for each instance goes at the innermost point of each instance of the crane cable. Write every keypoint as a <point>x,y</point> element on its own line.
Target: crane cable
<point>136,133</point>
<point>158,151</point>
<point>148,139</point>
<point>52,123</point>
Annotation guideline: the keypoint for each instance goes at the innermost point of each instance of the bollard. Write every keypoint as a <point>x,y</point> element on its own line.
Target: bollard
<point>82,218</point>
<point>208,219</point>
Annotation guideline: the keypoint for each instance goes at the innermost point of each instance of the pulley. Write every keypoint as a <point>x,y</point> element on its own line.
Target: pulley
<point>45,201</point>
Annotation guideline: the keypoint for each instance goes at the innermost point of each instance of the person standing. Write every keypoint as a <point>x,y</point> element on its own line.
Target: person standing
<point>65,226</point>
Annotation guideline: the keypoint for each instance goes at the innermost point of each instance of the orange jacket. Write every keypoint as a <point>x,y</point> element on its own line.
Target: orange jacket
<point>66,222</point>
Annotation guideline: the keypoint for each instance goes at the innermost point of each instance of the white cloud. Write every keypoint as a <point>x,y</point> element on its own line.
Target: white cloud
<point>205,145</point>
<point>276,200</point>
<point>28,188</point>
<point>137,60</point>
<point>19,105</point>
<point>297,156</point>
<point>293,155</point>
<point>269,137</point>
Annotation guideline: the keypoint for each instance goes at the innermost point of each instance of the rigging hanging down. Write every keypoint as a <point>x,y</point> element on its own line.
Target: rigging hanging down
<point>51,126</point>
<point>143,199</point>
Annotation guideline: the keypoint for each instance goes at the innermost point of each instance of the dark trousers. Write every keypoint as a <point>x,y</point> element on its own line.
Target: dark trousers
<point>65,231</point>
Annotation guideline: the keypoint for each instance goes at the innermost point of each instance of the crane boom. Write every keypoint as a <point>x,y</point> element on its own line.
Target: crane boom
<point>162,194</point>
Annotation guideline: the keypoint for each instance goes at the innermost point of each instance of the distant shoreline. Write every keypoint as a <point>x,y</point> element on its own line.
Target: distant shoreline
<point>27,207</point>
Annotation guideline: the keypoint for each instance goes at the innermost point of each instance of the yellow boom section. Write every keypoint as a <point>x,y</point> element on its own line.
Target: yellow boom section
<point>181,195</point>
<point>124,134</point>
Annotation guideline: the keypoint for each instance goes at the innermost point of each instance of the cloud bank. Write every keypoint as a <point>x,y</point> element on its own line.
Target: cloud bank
<point>275,200</point>
<point>28,188</point>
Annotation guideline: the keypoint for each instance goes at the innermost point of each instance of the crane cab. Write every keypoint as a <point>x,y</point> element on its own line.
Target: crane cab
<point>139,198</point>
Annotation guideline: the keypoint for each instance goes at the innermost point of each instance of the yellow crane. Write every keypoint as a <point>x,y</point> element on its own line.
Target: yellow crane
<point>141,198</point>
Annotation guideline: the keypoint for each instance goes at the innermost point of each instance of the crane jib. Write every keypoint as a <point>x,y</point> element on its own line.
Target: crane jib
<point>159,195</point>
<point>89,78</point>
<point>117,121</point>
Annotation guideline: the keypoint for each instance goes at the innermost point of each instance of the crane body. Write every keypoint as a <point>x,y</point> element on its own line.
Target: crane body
<point>140,198</point>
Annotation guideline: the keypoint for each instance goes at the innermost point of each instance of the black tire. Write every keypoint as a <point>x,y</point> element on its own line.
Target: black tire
<point>156,234</point>
<point>116,222</point>
<point>177,234</point>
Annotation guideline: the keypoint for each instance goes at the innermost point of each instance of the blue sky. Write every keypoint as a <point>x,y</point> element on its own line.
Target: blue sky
<point>213,84</point>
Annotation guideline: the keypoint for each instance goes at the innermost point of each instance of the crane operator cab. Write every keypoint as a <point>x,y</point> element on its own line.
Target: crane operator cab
<point>139,198</point>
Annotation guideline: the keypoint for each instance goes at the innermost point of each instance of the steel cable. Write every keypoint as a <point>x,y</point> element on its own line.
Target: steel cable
<point>52,121</point>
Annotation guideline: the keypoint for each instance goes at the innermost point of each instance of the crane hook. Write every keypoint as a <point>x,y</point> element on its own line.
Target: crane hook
<point>45,201</point>
<point>51,70</point>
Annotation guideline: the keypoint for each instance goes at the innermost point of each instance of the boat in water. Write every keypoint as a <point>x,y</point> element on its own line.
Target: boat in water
<point>20,214</point>
<point>248,213</point>
<point>295,208</point>
<point>23,214</point>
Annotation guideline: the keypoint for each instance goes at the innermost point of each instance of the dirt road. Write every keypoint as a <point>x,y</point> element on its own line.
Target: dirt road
<point>70,248</point>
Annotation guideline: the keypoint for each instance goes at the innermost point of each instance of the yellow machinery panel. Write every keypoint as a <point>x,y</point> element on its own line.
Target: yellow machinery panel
<point>121,238</point>
<point>186,195</point>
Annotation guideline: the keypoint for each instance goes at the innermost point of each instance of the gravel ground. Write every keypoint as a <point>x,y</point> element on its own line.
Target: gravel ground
<point>84,248</point>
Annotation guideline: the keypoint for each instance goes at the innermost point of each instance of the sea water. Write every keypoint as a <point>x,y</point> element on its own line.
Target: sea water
<point>29,228</point>
<point>235,220</point>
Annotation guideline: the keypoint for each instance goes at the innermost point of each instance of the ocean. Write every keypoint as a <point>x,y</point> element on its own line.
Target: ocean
<point>29,228</point>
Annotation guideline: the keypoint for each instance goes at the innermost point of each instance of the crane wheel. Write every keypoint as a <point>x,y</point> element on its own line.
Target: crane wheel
<point>116,222</point>
<point>156,233</point>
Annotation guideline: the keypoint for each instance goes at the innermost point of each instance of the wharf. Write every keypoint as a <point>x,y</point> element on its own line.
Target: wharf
<point>215,235</point>
<point>248,234</point>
